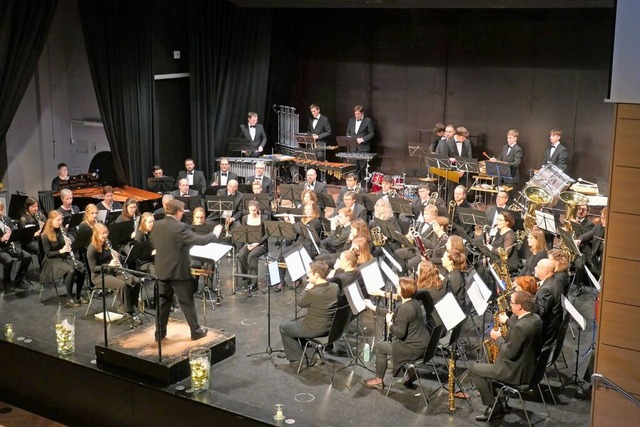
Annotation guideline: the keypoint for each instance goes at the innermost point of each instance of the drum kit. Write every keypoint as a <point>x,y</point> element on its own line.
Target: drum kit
<point>408,191</point>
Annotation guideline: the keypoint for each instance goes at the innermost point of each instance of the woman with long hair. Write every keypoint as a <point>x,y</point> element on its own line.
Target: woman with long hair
<point>89,219</point>
<point>537,251</point>
<point>130,211</point>
<point>384,218</point>
<point>505,239</point>
<point>59,260</point>
<point>143,234</point>
<point>310,222</point>
<point>561,273</point>
<point>430,291</point>
<point>455,263</point>
<point>250,252</point>
<point>100,256</point>
<point>33,217</point>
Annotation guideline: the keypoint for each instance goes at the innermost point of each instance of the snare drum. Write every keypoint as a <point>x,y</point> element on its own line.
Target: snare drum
<point>398,180</point>
<point>376,181</point>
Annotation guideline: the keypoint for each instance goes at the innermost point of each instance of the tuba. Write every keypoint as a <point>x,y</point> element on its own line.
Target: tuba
<point>537,197</point>
<point>572,200</point>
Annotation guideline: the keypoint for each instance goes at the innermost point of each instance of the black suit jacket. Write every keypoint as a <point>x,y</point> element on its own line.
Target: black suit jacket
<point>548,305</point>
<point>365,131</point>
<point>343,191</point>
<point>318,187</point>
<point>359,211</point>
<point>322,129</point>
<point>417,207</point>
<point>596,237</point>
<point>514,158</point>
<point>260,139</point>
<point>560,157</point>
<point>172,240</point>
<point>320,302</point>
<point>192,193</point>
<point>451,150</point>
<point>216,177</point>
<point>267,184</point>
<point>518,350</point>
<point>199,181</point>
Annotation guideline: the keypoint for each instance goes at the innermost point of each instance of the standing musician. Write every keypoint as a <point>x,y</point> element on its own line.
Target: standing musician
<point>556,153</point>
<point>406,324</point>
<point>59,261</point>
<point>100,254</point>
<point>455,262</point>
<point>512,155</point>
<point>172,240</point>
<point>537,251</point>
<point>223,176</point>
<point>320,298</point>
<point>430,291</point>
<point>107,203</point>
<point>32,217</point>
<point>361,128</point>
<point>438,132</point>
<point>311,221</point>
<point>250,252</point>
<point>517,357</point>
<point>352,186</point>
<point>320,128</point>
<point>443,148</point>
<point>255,134</point>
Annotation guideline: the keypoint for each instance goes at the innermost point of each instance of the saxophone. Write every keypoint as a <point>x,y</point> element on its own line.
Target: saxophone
<point>452,380</point>
<point>503,299</point>
<point>490,345</point>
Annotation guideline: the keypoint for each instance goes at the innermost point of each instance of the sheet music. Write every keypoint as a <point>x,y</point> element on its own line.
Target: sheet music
<point>315,245</point>
<point>390,274</point>
<point>545,221</point>
<point>212,251</point>
<point>449,311</point>
<point>295,265</point>
<point>306,259</point>
<point>497,278</point>
<point>102,216</point>
<point>595,282</point>
<point>274,273</point>
<point>355,298</point>
<point>478,295</point>
<point>372,276</point>
<point>391,258</point>
<point>579,318</point>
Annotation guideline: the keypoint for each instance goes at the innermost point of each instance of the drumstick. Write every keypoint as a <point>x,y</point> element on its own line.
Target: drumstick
<point>484,153</point>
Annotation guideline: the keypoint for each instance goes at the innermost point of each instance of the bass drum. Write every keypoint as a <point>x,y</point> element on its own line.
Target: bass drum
<point>376,181</point>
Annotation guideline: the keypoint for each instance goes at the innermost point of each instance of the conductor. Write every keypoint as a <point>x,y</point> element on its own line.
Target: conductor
<point>172,240</point>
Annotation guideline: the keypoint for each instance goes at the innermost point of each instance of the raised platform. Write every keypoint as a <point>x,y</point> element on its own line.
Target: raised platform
<point>136,353</point>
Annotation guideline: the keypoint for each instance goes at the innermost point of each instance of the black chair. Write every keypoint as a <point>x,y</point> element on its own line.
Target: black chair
<point>339,326</point>
<point>562,333</point>
<point>509,390</point>
<point>429,353</point>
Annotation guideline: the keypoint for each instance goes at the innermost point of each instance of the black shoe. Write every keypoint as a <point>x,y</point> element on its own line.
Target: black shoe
<point>160,337</point>
<point>497,412</point>
<point>278,288</point>
<point>409,378</point>
<point>199,333</point>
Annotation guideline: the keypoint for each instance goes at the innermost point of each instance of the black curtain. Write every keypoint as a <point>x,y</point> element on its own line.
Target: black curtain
<point>117,36</point>
<point>229,51</point>
<point>24,26</point>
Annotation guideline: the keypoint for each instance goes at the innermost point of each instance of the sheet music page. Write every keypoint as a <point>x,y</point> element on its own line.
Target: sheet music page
<point>306,259</point>
<point>496,277</point>
<point>545,221</point>
<point>355,298</point>
<point>596,283</point>
<point>390,274</point>
<point>391,259</point>
<point>212,251</point>
<point>274,273</point>
<point>295,265</point>
<point>575,314</point>
<point>477,299</point>
<point>102,216</point>
<point>449,311</point>
<point>484,289</point>
<point>372,276</point>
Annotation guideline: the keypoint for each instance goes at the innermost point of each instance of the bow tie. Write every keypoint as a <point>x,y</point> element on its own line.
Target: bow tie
<point>252,127</point>
<point>259,178</point>
<point>189,173</point>
<point>223,174</point>
<point>458,142</point>
<point>185,195</point>
<point>358,120</point>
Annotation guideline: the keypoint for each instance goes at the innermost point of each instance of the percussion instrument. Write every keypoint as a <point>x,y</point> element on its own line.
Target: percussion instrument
<point>551,179</point>
<point>410,191</point>
<point>376,181</point>
<point>398,181</point>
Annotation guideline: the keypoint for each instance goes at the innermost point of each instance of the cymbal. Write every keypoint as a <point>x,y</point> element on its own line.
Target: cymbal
<point>428,179</point>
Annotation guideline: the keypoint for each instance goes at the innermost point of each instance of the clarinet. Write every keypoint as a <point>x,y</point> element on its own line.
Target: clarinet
<point>115,256</point>
<point>67,241</point>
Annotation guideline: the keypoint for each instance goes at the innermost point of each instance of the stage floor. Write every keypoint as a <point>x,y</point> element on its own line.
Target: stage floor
<point>307,397</point>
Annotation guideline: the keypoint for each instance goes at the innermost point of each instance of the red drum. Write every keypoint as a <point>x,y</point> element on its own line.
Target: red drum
<point>376,181</point>
<point>398,180</point>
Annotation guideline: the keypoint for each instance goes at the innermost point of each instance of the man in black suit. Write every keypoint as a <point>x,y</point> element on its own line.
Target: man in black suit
<point>351,186</point>
<point>184,190</point>
<point>196,178</point>
<point>457,146</point>
<point>439,137</point>
<point>254,133</point>
<point>267,185</point>
<point>338,239</point>
<point>320,298</point>
<point>517,357</point>
<point>320,128</point>
<point>460,198</point>
<point>312,182</point>
<point>591,244</point>
<point>556,153</point>
<point>511,154</point>
<point>236,213</point>
<point>502,198</point>
<point>223,176</point>
<point>548,301</point>
<point>419,203</point>
<point>349,202</point>
<point>361,128</point>
<point>172,240</point>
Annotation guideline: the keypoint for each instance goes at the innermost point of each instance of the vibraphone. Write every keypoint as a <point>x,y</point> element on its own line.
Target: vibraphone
<point>356,156</point>
<point>334,169</point>
<point>246,166</point>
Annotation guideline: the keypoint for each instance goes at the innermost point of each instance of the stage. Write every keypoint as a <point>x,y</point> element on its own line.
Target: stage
<point>73,390</point>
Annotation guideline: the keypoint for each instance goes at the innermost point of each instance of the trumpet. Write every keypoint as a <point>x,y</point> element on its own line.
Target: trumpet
<point>227,225</point>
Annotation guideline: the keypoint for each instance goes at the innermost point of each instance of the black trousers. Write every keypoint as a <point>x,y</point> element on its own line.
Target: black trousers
<point>184,290</point>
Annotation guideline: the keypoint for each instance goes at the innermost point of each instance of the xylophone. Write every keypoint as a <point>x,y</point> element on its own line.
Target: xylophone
<point>334,169</point>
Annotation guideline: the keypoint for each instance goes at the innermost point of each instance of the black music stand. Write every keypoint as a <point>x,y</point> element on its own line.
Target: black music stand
<point>74,220</point>
<point>220,203</point>
<point>567,239</point>
<point>23,235</point>
<point>262,199</point>
<point>306,155</point>
<point>418,150</point>
<point>242,145</point>
<point>290,211</point>
<point>245,234</point>
<point>281,231</point>
<point>462,232</point>
<point>305,140</point>
<point>190,203</point>
<point>120,232</point>
<point>164,184</point>
<point>325,201</point>
<point>291,192</point>
<point>501,170</point>
<point>369,200</point>
<point>467,165</point>
<point>472,216</point>
<point>438,161</point>
<point>309,233</point>
<point>83,239</point>
<point>212,190</point>
<point>110,216</point>
<point>401,206</point>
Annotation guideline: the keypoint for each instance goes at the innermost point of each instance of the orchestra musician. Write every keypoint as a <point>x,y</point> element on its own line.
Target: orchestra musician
<point>195,178</point>
<point>349,202</point>
<point>420,203</point>
<point>63,177</point>
<point>311,220</point>
<point>339,236</point>
<point>556,153</point>
<point>312,183</point>
<point>157,171</point>
<point>348,272</point>
<point>101,254</point>
<point>88,219</point>
<point>438,132</point>
<point>443,147</point>
<point>352,186</point>
<point>362,248</point>
<point>430,291</point>
<point>9,251</point>
<point>307,196</point>
<point>548,301</point>
<point>67,208</point>
<point>537,250</point>
<point>383,214</point>
<point>222,177</point>
<point>229,217</point>
<point>320,128</point>
<point>184,189</point>
<point>32,217</point>
<point>387,191</point>
<point>159,213</point>
<point>512,155</point>
<point>425,229</point>
<point>107,202</point>
<point>455,262</point>
<point>143,234</point>
<point>250,252</point>
<point>361,128</point>
<point>460,199</point>
<point>505,239</point>
<point>406,325</point>
<point>255,134</point>
<point>591,258</point>
<point>561,270</point>
<point>516,359</point>
<point>357,228</point>
<point>267,184</point>
<point>59,261</point>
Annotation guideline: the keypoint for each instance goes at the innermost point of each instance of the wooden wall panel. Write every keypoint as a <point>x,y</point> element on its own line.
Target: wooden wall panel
<point>611,409</point>
<point>619,325</point>
<point>616,362</point>
<point>627,154</point>
<point>622,278</point>
<point>622,236</point>
<point>626,177</point>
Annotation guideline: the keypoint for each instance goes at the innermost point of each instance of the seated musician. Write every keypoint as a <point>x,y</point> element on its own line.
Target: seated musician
<point>88,219</point>
<point>157,171</point>
<point>591,258</point>
<point>455,262</point>
<point>419,203</point>
<point>250,252</point>
<point>224,175</point>
<point>267,184</point>
<point>502,198</point>
<point>425,229</point>
<point>10,251</point>
<point>430,291</point>
<point>434,247</point>
<point>561,271</point>
<point>516,359</point>
<point>362,248</point>
<point>67,208</point>
<point>59,261</point>
<point>320,298</point>
<point>160,211</point>
<point>184,190</point>
<point>337,239</point>
<point>352,187</point>
<point>505,239</point>
<point>407,326</point>
<point>257,188</point>
<point>348,272</point>
<point>143,233</point>
<point>349,202</point>
<point>307,196</point>
<point>537,251</point>
<point>130,211</point>
<point>107,203</point>
<point>358,228</point>
<point>32,217</point>
<point>229,217</point>
<point>387,190</point>
<point>382,213</point>
<point>63,177</point>
<point>310,220</point>
<point>100,254</point>
<point>460,198</point>
<point>313,184</point>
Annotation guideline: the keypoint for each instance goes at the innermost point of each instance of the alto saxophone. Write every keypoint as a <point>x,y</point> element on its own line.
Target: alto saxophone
<point>452,380</point>
<point>490,346</point>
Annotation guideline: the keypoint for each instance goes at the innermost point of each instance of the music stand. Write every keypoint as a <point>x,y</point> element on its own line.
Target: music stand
<point>309,233</point>
<point>467,165</point>
<point>568,241</point>
<point>75,220</point>
<point>438,161</point>
<point>306,155</point>
<point>112,216</point>
<point>546,222</point>
<point>472,216</point>
<point>290,211</point>
<point>262,199</point>
<point>418,150</point>
<point>220,203</point>
<point>401,206</point>
<point>120,232</point>
<point>82,241</point>
<point>190,203</point>
<point>281,231</point>
<point>212,190</point>
<point>242,145</point>
<point>163,184</point>
<point>369,200</point>
<point>291,192</point>
<point>210,252</point>
<point>325,201</point>
<point>305,140</point>
<point>501,170</point>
